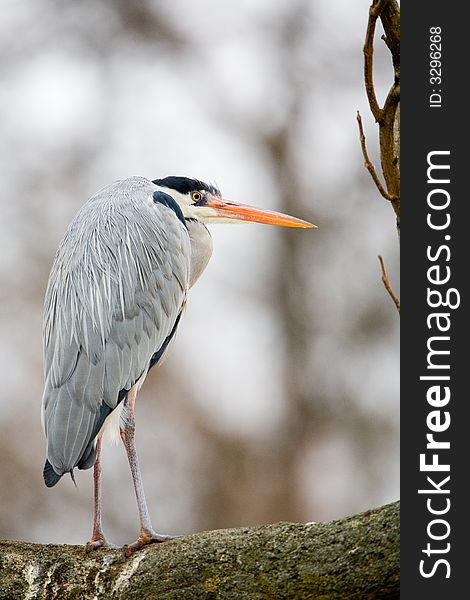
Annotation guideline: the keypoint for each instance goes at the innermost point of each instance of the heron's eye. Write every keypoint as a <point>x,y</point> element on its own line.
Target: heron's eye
<point>196,196</point>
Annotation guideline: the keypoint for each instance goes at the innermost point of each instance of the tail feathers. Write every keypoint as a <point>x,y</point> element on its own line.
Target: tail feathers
<point>88,457</point>
<point>50,476</point>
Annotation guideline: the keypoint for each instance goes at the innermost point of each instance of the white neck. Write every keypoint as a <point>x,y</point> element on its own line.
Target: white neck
<point>201,249</point>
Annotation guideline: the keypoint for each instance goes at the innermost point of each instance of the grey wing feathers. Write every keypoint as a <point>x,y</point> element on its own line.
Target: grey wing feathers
<point>117,286</point>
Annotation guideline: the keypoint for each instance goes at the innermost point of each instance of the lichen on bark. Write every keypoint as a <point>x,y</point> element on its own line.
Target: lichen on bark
<point>353,558</point>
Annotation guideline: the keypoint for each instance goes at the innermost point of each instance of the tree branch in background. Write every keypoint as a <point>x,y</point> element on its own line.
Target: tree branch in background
<point>387,284</point>
<point>388,117</point>
<point>374,12</point>
<point>352,559</point>
<point>367,163</point>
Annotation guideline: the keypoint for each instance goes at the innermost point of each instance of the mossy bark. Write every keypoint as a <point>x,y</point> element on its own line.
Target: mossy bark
<point>354,558</point>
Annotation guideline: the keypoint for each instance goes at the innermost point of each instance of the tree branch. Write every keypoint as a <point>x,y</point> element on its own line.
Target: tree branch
<point>374,12</point>
<point>353,559</point>
<point>367,163</point>
<point>388,285</point>
<point>387,117</point>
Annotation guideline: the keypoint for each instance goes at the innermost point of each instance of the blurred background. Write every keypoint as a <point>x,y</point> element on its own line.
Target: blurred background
<point>279,398</point>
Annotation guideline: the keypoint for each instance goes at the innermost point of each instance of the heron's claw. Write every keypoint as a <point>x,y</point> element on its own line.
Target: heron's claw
<point>98,542</point>
<point>147,537</point>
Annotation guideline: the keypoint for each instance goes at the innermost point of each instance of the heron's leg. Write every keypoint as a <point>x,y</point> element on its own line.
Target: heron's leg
<point>97,537</point>
<point>147,533</point>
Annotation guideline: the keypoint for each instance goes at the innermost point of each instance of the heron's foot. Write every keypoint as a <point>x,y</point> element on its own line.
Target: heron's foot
<point>98,541</point>
<point>147,537</point>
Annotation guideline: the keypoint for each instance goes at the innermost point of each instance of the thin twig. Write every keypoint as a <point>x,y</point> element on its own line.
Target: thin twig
<point>387,284</point>
<point>374,13</point>
<point>368,165</point>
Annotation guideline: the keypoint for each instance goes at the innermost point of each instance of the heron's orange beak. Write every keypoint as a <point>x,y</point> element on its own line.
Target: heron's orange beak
<point>242,212</point>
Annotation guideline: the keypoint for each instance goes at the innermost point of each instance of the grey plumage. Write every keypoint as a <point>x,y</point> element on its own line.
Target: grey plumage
<point>114,300</point>
<point>114,294</point>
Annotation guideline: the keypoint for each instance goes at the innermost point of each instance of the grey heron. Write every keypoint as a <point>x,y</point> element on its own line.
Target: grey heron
<point>115,295</point>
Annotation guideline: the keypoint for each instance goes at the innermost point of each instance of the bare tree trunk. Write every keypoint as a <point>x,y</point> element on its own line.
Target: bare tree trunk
<point>354,558</point>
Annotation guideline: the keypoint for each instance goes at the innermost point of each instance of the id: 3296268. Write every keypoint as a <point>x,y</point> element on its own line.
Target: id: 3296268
<point>435,67</point>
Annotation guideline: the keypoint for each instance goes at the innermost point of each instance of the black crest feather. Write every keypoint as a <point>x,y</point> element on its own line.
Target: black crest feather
<point>186,185</point>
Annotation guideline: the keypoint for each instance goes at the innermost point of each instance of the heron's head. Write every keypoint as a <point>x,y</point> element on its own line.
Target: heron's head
<point>203,202</point>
